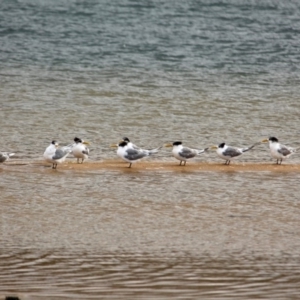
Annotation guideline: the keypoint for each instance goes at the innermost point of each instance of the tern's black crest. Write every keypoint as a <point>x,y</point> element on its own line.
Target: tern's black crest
<point>77,140</point>
<point>273,139</point>
<point>222,145</point>
<point>53,142</point>
<point>177,143</point>
<point>126,139</point>
<point>123,144</point>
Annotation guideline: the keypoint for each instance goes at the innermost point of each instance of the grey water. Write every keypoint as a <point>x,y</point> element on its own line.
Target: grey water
<point>203,72</point>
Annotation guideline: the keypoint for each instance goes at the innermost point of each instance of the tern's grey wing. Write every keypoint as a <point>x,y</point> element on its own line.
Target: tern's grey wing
<point>187,153</point>
<point>135,147</point>
<point>284,150</point>
<point>232,152</point>
<point>133,154</point>
<point>59,153</point>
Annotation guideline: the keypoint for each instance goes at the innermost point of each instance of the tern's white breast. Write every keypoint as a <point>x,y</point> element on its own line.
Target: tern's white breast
<point>77,151</point>
<point>49,153</point>
<point>176,149</point>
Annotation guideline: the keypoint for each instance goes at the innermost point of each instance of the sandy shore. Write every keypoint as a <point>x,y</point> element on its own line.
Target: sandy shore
<point>166,166</point>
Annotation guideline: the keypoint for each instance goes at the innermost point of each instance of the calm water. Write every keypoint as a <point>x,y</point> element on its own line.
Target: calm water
<point>203,72</point>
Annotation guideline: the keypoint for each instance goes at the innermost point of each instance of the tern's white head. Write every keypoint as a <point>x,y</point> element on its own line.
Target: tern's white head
<point>54,143</point>
<point>174,145</point>
<point>123,144</point>
<point>177,143</point>
<point>220,147</point>
<point>271,140</point>
<point>77,140</point>
<point>80,141</point>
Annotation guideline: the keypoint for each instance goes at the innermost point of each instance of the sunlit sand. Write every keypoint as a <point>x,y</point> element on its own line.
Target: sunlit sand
<point>148,166</point>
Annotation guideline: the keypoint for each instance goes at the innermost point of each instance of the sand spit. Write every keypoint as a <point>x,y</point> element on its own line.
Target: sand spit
<point>148,166</point>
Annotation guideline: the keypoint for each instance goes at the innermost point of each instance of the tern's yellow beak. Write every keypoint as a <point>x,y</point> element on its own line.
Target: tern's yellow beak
<point>265,141</point>
<point>85,143</point>
<point>214,147</point>
<point>168,145</point>
<point>114,146</point>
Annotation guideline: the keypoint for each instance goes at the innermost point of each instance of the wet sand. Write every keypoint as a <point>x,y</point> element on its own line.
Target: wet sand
<point>166,166</point>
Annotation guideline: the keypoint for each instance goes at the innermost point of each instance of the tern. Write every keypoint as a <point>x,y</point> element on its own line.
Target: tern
<point>80,150</point>
<point>184,153</point>
<point>228,153</point>
<point>278,151</point>
<point>56,155</point>
<point>131,155</point>
<point>4,156</point>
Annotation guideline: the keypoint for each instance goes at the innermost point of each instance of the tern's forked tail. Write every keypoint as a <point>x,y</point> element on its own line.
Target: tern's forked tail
<point>153,151</point>
<point>251,147</point>
<point>202,151</point>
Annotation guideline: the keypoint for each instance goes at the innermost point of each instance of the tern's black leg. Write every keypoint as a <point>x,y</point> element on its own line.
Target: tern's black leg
<point>130,165</point>
<point>228,162</point>
<point>185,163</point>
<point>180,163</point>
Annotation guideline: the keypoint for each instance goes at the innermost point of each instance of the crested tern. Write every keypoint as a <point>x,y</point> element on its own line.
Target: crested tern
<point>228,153</point>
<point>56,155</point>
<point>135,147</point>
<point>131,155</point>
<point>80,150</point>
<point>278,151</point>
<point>184,153</point>
<point>4,156</point>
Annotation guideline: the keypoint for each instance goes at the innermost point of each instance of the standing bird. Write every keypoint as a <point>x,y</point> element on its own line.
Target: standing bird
<point>80,150</point>
<point>4,156</point>
<point>135,147</point>
<point>184,153</point>
<point>56,155</point>
<point>228,153</point>
<point>130,154</point>
<point>278,151</point>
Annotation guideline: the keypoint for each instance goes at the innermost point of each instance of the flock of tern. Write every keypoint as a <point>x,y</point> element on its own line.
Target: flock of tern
<point>131,153</point>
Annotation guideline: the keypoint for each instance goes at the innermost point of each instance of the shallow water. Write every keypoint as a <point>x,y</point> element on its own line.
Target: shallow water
<point>203,73</point>
<point>114,234</point>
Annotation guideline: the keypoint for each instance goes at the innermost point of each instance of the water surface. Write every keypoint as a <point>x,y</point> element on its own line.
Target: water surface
<point>202,72</point>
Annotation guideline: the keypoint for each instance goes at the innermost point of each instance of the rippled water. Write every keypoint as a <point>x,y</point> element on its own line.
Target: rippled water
<point>202,72</point>
<point>143,235</point>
